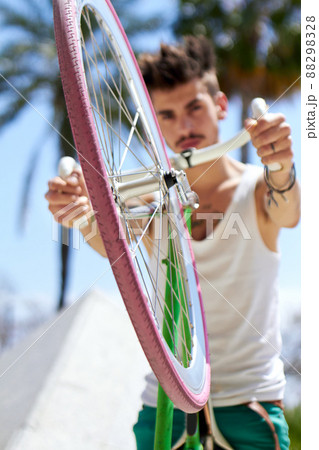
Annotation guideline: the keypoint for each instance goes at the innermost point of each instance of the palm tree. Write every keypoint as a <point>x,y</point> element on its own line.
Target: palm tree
<point>29,66</point>
<point>257,44</point>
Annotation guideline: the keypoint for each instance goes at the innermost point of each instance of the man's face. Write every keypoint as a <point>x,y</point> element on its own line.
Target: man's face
<point>188,115</point>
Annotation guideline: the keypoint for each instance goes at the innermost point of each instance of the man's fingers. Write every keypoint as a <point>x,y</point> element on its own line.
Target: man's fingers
<point>56,183</point>
<point>272,135</point>
<point>62,186</point>
<point>68,198</point>
<point>62,198</point>
<point>267,121</point>
<point>75,177</point>
<point>284,157</point>
<point>275,147</point>
<point>267,130</point>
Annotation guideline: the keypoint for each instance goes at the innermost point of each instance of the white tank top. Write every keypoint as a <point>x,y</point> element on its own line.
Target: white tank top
<point>238,276</point>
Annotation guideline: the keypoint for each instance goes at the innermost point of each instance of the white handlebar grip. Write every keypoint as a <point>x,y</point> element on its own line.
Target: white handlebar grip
<point>66,166</point>
<point>259,108</point>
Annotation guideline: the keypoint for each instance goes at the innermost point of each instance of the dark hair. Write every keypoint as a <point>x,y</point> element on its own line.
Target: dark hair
<point>178,64</point>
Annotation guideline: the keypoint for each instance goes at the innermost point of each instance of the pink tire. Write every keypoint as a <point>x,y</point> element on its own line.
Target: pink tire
<point>111,150</point>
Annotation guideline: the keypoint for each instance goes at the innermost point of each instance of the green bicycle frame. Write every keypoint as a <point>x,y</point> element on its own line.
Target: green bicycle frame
<point>173,314</point>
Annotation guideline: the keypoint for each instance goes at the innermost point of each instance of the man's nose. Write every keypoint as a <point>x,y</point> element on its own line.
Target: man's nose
<point>185,123</point>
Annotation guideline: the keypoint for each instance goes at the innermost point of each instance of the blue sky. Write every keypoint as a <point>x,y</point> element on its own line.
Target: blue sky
<point>30,259</point>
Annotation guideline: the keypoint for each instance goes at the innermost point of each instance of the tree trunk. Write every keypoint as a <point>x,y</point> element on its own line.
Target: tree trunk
<point>245,112</point>
<point>65,253</point>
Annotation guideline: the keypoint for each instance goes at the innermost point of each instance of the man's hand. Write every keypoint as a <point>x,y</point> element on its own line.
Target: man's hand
<point>70,205</point>
<point>68,199</point>
<point>271,135</point>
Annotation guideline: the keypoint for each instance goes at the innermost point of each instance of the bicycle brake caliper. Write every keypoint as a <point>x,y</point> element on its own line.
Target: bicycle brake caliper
<point>179,179</point>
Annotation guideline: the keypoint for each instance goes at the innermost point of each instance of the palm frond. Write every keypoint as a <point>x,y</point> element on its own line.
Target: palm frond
<point>29,176</point>
<point>30,18</point>
<point>20,96</point>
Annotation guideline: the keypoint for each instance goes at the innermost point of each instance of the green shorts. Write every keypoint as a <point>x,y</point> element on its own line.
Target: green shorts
<point>144,429</point>
<point>243,428</point>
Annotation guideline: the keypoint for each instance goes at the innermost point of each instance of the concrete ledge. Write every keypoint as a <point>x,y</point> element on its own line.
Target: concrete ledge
<point>79,386</point>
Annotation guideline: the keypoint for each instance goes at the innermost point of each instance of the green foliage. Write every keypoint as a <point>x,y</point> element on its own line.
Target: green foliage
<point>29,66</point>
<point>257,41</point>
<point>293,417</point>
<point>257,45</point>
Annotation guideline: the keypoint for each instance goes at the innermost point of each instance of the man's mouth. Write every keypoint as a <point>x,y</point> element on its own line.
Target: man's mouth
<point>193,141</point>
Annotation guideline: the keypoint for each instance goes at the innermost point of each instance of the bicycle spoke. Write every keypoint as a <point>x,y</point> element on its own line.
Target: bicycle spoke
<point>158,299</point>
<point>133,128</point>
<point>118,92</point>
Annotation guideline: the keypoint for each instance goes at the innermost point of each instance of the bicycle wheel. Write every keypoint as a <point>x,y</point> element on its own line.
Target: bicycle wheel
<point>117,138</point>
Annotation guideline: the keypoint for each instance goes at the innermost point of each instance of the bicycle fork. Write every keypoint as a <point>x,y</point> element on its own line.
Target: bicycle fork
<point>193,436</point>
<point>165,407</point>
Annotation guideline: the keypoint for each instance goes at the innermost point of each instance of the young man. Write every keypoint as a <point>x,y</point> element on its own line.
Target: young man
<point>237,264</point>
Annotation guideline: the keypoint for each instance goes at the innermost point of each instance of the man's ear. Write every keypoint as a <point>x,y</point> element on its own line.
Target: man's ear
<point>221,103</point>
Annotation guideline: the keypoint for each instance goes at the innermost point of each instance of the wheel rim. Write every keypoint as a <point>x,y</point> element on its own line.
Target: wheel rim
<point>129,142</point>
